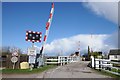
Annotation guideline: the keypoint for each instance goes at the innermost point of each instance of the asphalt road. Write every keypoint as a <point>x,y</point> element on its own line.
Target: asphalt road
<point>72,70</point>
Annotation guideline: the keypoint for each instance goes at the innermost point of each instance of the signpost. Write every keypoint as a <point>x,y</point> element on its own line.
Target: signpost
<point>14,57</point>
<point>32,56</point>
<point>14,60</point>
<point>33,36</point>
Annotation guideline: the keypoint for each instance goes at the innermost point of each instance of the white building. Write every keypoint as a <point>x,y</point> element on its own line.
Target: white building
<point>114,54</point>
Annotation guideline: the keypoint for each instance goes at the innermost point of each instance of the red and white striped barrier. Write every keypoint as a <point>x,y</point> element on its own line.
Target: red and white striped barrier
<point>48,24</point>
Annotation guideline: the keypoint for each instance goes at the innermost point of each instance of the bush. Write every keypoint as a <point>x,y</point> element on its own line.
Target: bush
<point>118,70</point>
<point>114,70</point>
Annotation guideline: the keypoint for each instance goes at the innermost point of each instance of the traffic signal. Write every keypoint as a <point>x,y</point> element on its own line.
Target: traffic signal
<point>33,36</point>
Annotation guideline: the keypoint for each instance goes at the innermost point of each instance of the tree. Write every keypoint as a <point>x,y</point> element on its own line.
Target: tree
<point>9,49</point>
<point>6,49</point>
<point>96,54</point>
<point>89,53</point>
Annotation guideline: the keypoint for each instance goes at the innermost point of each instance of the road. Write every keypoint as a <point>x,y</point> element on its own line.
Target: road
<point>72,70</point>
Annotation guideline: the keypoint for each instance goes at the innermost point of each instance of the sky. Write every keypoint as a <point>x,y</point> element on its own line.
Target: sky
<point>72,22</point>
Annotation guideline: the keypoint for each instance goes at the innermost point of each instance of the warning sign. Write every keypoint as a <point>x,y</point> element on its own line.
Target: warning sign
<point>32,59</point>
<point>14,59</point>
<point>31,51</point>
<point>14,54</point>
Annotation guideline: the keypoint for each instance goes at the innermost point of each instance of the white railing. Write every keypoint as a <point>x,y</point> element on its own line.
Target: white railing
<point>62,60</point>
<point>105,65</point>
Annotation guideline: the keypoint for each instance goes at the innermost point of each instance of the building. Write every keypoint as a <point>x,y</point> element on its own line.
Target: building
<point>114,54</point>
<point>76,55</point>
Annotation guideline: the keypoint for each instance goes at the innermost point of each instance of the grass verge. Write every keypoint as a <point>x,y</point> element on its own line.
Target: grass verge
<point>107,73</point>
<point>27,71</point>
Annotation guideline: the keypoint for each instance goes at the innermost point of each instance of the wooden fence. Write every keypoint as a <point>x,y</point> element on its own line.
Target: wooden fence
<point>62,60</point>
<point>105,65</point>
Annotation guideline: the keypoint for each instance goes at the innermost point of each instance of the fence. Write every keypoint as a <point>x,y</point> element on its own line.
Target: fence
<point>5,60</point>
<point>105,65</point>
<point>62,60</point>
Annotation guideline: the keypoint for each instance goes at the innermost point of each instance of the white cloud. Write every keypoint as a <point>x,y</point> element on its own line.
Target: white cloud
<point>69,45</point>
<point>100,42</point>
<point>112,40</point>
<point>109,10</point>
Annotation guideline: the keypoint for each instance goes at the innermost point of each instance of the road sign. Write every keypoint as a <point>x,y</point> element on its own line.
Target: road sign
<point>14,59</point>
<point>14,54</point>
<point>33,36</point>
<point>32,59</point>
<point>31,51</point>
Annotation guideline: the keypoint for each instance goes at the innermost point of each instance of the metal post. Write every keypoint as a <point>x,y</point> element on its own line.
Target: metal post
<point>99,65</point>
<point>31,67</point>
<point>14,65</point>
<point>94,62</point>
<point>64,61</point>
<point>67,59</point>
<point>61,60</point>
<point>32,44</point>
<point>36,56</point>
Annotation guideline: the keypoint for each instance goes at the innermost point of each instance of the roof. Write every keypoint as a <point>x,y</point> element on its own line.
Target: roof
<point>114,52</point>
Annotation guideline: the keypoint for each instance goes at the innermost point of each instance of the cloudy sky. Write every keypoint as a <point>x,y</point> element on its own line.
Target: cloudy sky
<point>94,24</point>
<point>98,42</point>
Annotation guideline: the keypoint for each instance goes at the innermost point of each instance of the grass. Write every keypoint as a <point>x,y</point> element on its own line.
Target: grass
<point>107,74</point>
<point>27,71</point>
<point>114,70</point>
